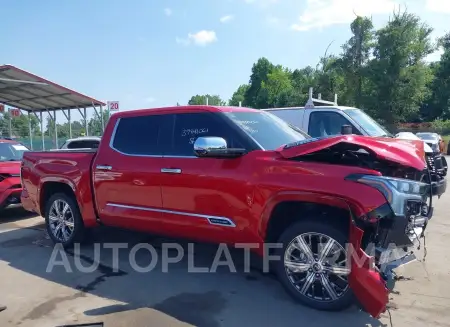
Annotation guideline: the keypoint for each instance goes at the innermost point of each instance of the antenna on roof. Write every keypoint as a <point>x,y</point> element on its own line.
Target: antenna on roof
<point>311,100</point>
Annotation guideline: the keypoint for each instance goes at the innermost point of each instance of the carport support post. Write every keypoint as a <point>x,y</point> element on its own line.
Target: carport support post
<point>85,122</point>
<point>42,131</point>
<point>10,124</point>
<point>29,129</point>
<point>56,129</point>
<point>103,121</point>
<point>70,123</point>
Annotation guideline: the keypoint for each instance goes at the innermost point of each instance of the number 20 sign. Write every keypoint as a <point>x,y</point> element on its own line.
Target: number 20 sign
<point>113,105</point>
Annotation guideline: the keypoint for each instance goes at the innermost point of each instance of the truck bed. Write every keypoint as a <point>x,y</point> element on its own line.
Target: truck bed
<point>42,170</point>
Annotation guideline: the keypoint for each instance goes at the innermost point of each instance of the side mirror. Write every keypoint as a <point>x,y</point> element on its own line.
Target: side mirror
<point>215,147</point>
<point>346,130</point>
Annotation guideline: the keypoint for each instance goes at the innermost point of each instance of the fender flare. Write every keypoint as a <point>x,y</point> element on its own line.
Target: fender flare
<point>310,197</point>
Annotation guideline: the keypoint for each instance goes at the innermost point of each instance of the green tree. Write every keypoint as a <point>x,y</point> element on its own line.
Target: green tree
<point>239,95</point>
<point>398,72</point>
<point>260,72</point>
<point>353,62</point>
<point>213,100</point>
<point>438,105</point>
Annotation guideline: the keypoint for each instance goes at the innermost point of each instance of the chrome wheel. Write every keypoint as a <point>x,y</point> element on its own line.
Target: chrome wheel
<point>61,220</point>
<point>316,265</point>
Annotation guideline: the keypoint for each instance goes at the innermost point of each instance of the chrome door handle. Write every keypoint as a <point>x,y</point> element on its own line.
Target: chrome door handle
<point>171,170</point>
<point>102,167</point>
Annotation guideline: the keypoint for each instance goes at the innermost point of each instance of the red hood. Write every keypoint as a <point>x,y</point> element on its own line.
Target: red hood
<point>408,153</point>
<point>10,167</point>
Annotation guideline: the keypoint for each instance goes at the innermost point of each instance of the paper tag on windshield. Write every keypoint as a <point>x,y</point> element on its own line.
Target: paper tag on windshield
<point>20,147</point>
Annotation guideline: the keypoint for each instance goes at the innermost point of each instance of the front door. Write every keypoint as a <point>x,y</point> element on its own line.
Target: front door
<point>204,198</point>
<point>127,174</point>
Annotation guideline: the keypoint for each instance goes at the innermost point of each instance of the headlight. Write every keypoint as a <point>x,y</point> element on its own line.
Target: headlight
<point>397,191</point>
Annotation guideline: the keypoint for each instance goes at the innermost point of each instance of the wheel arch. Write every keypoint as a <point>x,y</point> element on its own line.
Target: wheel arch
<point>50,187</point>
<point>286,208</point>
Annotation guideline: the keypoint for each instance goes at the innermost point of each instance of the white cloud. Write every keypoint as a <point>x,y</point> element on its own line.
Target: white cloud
<point>323,13</point>
<point>201,38</point>
<point>150,99</point>
<point>168,11</point>
<point>440,6</point>
<point>226,18</point>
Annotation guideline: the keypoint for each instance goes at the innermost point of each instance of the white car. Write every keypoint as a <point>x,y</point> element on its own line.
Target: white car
<point>412,136</point>
<point>84,142</point>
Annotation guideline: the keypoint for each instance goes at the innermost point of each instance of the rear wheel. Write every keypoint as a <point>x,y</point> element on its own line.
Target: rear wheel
<point>313,266</point>
<point>63,220</point>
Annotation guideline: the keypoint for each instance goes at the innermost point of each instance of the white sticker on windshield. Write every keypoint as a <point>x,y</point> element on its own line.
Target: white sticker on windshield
<point>20,147</point>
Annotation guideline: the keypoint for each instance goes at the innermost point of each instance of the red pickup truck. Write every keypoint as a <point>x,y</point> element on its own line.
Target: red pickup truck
<point>237,175</point>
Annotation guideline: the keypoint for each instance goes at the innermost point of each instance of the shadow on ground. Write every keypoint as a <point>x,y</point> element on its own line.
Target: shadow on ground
<point>201,299</point>
<point>13,214</point>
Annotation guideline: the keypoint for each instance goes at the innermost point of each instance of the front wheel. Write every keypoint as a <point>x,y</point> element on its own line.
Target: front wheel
<point>63,220</point>
<point>313,266</point>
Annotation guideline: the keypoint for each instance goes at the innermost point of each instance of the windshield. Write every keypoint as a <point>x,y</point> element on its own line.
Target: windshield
<point>267,129</point>
<point>11,151</point>
<point>367,123</point>
<point>427,136</point>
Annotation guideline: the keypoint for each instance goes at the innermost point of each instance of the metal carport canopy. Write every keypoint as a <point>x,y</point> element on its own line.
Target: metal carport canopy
<point>26,91</point>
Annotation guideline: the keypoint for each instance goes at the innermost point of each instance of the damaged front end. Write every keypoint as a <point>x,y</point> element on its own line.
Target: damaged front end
<point>393,231</point>
<point>387,236</point>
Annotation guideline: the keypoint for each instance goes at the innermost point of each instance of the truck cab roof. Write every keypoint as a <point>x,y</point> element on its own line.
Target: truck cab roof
<point>188,108</point>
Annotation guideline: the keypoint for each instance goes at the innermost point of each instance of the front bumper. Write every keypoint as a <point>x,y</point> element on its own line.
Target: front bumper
<point>390,242</point>
<point>396,244</point>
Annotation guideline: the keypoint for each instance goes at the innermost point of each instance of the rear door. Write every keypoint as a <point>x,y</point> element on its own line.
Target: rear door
<point>127,174</point>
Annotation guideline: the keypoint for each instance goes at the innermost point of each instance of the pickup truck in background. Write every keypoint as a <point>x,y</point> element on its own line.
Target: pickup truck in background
<point>320,118</point>
<point>11,153</point>
<point>237,175</point>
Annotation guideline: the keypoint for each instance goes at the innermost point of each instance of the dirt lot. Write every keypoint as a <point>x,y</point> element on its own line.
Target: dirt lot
<point>127,298</point>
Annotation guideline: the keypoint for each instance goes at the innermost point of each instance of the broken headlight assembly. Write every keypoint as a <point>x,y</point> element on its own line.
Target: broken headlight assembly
<point>397,191</point>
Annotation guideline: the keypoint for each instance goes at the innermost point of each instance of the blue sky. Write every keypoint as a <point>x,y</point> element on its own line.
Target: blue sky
<point>159,52</point>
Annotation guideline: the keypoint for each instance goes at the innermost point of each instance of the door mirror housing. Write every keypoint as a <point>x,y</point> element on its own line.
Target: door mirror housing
<point>215,147</point>
<point>346,130</point>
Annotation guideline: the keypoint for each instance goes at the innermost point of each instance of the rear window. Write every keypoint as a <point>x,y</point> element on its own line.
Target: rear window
<point>138,135</point>
<point>12,151</point>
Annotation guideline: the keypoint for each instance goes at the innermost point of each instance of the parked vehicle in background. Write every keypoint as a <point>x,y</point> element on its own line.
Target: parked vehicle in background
<point>237,175</point>
<point>11,153</point>
<point>412,136</point>
<point>320,118</point>
<point>84,142</point>
<point>434,140</point>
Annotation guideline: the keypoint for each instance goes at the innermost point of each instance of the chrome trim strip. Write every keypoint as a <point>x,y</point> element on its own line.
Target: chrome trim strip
<point>213,220</point>
<point>171,170</point>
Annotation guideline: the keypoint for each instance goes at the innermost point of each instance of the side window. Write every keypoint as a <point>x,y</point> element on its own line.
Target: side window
<point>138,135</point>
<point>189,126</point>
<point>327,123</point>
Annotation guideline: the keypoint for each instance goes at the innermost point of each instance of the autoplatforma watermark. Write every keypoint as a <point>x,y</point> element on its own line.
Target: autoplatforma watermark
<point>170,254</point>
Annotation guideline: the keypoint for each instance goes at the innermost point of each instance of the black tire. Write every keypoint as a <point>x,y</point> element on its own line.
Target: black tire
<point>342,302</point>
<point>79,232</point>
